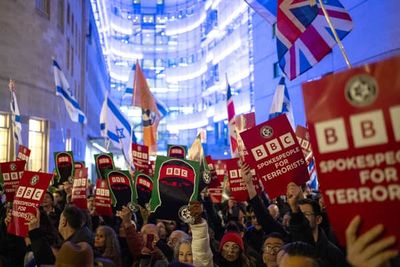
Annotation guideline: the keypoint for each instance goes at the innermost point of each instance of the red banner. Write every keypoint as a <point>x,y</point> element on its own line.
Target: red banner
<point>140,157</point>
<point>242,123</point>
<point>102,198</point>
<point>79,186</point>
<point>237,185</point>
<point>275,154</point>
<point>23,153</point>
<point>11,172</point>
<point>357,146</point>
<point>303,137</point>
<point>28,197</point>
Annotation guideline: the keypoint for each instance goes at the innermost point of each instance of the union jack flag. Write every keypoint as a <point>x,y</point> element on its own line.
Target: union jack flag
<point>312,171</point>
<point>298,49</point>
<point>231,121</point>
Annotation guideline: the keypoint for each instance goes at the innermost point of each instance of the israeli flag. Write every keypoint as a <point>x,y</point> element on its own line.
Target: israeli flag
<point>63,90</point>
<point>116,127</point>
<point>127,96</point>
<point>281,103</point>
<point>16,118</point>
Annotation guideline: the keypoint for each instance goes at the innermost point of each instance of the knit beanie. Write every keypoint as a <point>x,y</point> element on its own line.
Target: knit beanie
<point>71,254</point>
<point>232,237</point>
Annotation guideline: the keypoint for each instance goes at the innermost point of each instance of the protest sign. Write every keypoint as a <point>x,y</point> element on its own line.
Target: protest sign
<point>177,151</point>
<point>238,188</point>
<point>175,185</point>
<point>275,154</point>
<point>143,186</point>
<point>27,199</point>
<point>303,137</point>
<point>140,157</point>
<point>102,198</point>
<point>121,185</point>
<point>242,123</point>
<point>64,165</point>
<point>357,146</point>
<point>79,186</point>
<point>103,161</point>
<point>23,153</point>
<point>10,175</point>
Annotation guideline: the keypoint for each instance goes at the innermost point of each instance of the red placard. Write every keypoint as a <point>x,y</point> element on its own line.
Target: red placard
<point>275,154</point>
<point>303,137</point>
<point>79,186</point>
<point>140,157</point>
<point>237,185</point>
<point>102,198</point>
<point>242,123</point>
<point>23,153</point>
<point>28,197</point>
<point>11,172</point>
<point>357,146</point>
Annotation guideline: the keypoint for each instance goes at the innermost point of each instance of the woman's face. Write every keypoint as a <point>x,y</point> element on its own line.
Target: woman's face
<point>100,239</point>
<point>185,254</point>
<point>230,251</point>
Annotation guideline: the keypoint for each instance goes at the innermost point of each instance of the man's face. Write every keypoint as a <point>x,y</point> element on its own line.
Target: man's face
<point>274,211</point>
<point>57,197</point>
<point>272,245</point>
<point>308,212</point>
<point>174,238</point>
<point>62,224</point>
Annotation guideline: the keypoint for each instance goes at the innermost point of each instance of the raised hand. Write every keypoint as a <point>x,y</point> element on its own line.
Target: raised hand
<point>367,250</point>
<point>293,194</point>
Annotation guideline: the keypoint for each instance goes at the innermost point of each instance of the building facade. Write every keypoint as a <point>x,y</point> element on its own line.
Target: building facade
<point>32,33</point>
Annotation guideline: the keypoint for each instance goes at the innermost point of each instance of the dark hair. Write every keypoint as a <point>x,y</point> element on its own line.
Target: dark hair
<point>276,235</point>
<point>315,205</point>
<point>50,194</point>
<point>303,249</point>
<point>74,216</point>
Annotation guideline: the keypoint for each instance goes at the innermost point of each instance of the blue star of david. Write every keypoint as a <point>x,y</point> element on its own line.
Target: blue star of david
<point>120,133</point>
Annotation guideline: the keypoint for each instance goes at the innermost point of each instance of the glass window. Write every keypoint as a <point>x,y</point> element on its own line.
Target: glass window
<point>61,15</point>
<point>43,6</point>
<point>38,145</point>
<point>4,138</point>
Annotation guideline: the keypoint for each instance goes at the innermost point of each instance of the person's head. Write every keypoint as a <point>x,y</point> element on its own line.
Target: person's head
<point>274,211</point>
<point>90,203</point>
<point>48,200</point>
<point>162,230</point>
<point>312,211</point>
<point>286,219</point>
<point>67,188</point>
<point>57,196</point>
<point>231,246</point>
<point>183,251</point>
<point>71,254</point>
<point>272,244</point>
<point>106,241</point>
<point>71,220</point>
<point>175,237</point>
<point>254,221</point>
<point>297,254</point>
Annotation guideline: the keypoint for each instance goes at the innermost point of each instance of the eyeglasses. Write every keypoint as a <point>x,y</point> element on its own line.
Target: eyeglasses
<point>272,249</point>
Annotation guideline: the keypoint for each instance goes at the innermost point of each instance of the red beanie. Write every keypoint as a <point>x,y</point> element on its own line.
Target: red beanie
<point>232,237</point>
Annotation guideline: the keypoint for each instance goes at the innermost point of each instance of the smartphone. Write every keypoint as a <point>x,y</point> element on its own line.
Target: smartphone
<point>149,241</point>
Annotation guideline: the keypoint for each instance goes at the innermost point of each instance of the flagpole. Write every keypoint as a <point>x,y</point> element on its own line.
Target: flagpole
<point>339,42</point>
<point>10,87</point>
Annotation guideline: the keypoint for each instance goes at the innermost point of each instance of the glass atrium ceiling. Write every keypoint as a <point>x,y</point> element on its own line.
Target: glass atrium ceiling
<point>186,49</point>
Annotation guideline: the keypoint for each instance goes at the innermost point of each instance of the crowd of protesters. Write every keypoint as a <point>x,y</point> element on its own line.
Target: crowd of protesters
<point>292,230</point>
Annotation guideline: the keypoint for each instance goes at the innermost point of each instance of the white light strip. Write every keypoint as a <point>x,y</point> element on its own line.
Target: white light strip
<point>227,51</point>
<point>99,147</point>
<point>189,76</point>
<point>119,77</point>
<point>126,55</point>
<point>238,11</point>
<point>120,29</point>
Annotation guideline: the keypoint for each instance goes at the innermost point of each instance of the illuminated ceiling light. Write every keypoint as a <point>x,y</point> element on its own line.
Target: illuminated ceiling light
<point>188,76</point>
<point>120,29</point>
<point>126,55</point>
